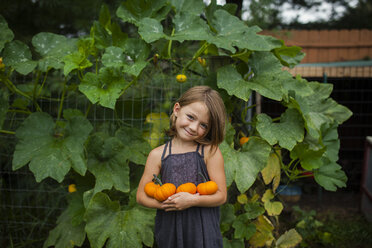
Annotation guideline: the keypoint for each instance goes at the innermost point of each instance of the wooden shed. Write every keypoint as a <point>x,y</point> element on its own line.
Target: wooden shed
<point>338,53</point>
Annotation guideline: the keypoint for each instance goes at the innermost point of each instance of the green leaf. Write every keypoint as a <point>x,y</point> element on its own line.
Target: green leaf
<point>190,27</point>
<point>137,49</point>
<point>6,34</point>
<point>287,133</point>
<point>193,7</point>
<point>100,35</point>
<point>135,149</point>
<point>18,55</point>
<point>4,105</point>
<point>229,78</point>
<point>113,57</point>
<point>134,10</point>
<point>318,109</point>
<point>243,167</point>
<point>243,227</point>
<point>235,243</point>
<point>330,176</point>
<point>253,210</point>
<point>104,88</point>
<point>52,48</point>
<point>150,30</point>
<point>231,32</point>
<point>227,217</point>
<point>105,16</point>
<point>75,61</point>
<point>110,168</point>
<point>309,159</point>
<point>136,68</point>
<point>111,227</point>
<point>289,56</point>
<point>69,231</point>
<point>289,239</point>
<point>51,151</point>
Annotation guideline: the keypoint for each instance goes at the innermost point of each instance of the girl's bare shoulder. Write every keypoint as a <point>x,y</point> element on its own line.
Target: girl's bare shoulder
<point>157,152</point>
<point>212,152</point>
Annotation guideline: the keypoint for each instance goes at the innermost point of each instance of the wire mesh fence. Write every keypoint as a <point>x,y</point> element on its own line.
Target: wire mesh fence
<point>29,210</point>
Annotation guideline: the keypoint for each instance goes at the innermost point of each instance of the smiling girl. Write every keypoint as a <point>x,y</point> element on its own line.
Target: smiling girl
<point>197,127</point>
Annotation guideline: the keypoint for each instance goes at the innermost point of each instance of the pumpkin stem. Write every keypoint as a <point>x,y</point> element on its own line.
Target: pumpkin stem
<point>204,179</point>
<point>157,180</point>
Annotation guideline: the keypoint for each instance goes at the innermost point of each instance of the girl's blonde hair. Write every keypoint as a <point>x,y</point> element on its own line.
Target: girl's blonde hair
<point>217,114</point>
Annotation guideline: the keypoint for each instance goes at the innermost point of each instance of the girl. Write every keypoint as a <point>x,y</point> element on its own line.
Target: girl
<point>197,127</point>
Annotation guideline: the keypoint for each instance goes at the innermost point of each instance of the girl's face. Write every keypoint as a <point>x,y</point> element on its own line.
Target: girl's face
<point>192,120</point>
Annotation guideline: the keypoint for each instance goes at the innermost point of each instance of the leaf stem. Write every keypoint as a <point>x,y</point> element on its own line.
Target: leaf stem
<point>62,100</point>
<point>6,131</point>
<point>170,45</point>
<point>157,180</point>
<point>196,55</point>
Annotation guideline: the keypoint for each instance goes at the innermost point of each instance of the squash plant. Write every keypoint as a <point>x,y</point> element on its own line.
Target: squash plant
<point>98,69</point>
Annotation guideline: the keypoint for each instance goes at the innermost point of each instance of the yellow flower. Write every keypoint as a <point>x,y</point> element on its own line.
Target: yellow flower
<point>1,63</point>
<point>181,78</point>
<point>72,188</point>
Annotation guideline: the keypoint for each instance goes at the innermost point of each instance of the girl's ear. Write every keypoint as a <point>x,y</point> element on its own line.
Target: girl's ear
<point>176,108</point>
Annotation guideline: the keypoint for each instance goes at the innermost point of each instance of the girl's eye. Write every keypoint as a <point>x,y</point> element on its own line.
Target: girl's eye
<point>190,117</point>
<point>204,126</point>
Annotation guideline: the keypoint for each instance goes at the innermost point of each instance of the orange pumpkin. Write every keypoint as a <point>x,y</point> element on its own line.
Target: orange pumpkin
<point>243,140</point>
<point>164,191</point>
<point>187,187</point>
<point>150,188</point>
<point>207,188</point>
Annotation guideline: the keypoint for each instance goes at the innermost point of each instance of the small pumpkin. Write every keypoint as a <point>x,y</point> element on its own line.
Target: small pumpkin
<point>187,187</point>
<point>207,188</point>
<point>243,140</point>
<point>164,191</point>
<point>150,188</point>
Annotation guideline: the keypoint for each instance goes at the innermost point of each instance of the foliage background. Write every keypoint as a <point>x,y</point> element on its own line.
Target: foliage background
<point>82,79</point>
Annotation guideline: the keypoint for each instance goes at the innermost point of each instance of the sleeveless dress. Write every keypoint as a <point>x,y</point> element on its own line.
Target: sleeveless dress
<point>195,227</point>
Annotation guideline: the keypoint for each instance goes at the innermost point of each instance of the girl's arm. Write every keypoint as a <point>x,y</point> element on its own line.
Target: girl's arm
<point>216,171</point>
<point>152,167</point>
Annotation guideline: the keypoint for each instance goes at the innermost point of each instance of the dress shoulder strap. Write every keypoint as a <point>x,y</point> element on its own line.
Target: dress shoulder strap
<point>202,149</point>
<point>164,150</point>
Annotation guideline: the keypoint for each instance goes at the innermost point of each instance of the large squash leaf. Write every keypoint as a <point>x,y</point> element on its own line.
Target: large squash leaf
<point>243,166</point>
<point>52,48</point>
<point>287,133</point>
<point>69,231</point>
<point>6,34</point>
<point>108,225</point>
<point>134,10</point>
<point>18,55</point>
<point>231,32</point>
<point>330,176</point>
<point>108,165</point>
<point>104,88</point>
<point>49,149</point>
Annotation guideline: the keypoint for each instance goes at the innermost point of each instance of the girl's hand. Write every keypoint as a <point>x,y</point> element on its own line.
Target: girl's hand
<point>179,201</point>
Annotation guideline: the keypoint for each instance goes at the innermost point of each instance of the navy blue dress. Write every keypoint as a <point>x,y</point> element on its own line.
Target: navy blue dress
<point>195,227</point>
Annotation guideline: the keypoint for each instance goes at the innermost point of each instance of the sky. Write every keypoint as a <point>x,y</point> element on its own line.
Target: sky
<point>319,13</point>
